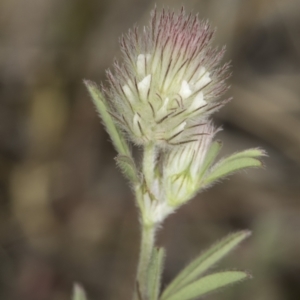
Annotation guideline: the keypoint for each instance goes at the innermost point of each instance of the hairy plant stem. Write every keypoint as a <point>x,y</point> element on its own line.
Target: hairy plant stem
<point>148,228</point>
<point>146,251</point>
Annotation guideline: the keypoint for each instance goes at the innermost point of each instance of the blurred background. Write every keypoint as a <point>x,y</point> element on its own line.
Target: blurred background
<point>67,213</point>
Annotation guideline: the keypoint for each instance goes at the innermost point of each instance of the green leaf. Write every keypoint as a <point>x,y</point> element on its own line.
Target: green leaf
<point>78,292</point>
<point>128,167</point>
<point>208,284</point>
<point>155,271</point>
<point>205,261</point>
<point>233,163</point>
<point>102,107</point>
<point>253,152</point>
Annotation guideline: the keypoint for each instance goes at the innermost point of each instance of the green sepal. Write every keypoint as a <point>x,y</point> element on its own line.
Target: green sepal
<point>155,271</point>
<point>210,157</point>
<point>115,134</point>
<point>78,292</point>
<point>238,161</point>
<point>208,284</point>
<point>205,261</point>
<point>128,167</point>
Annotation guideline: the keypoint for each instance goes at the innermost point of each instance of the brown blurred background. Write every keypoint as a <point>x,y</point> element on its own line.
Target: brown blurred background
<point>66,212</point>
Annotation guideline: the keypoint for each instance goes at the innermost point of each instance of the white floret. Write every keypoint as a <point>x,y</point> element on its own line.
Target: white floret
<point>185,90</point>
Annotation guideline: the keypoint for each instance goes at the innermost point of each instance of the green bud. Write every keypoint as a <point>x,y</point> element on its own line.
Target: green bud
<point>191,168</point>
<point>183,166</point>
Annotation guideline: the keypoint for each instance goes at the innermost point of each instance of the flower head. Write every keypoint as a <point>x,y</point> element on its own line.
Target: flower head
<point>170,80</point>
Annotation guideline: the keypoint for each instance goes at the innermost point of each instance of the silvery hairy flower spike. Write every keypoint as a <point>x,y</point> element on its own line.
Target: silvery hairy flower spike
<point>161,98</point>
<point>170,80</point>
